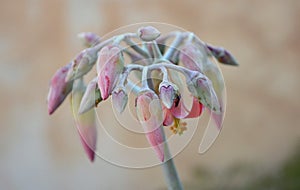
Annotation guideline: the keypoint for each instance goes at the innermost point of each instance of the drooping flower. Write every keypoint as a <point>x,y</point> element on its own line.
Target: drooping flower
<point>150,115</point>
<point>110,65</point>
<point>59,89</point>
<point>85,122</point>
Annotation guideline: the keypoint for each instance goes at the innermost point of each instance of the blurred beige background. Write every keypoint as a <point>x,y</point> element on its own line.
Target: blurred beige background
<point>261,127</point>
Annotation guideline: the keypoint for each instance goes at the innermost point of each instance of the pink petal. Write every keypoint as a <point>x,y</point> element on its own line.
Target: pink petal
<point>168,117</point>
<point>181,111</point>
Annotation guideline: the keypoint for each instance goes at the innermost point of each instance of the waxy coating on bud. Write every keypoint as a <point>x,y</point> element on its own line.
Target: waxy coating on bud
<point>119,99</point>
<point>85,122</point>
<point>148,33</point>
<point>201,87</point>
<point>110,65</point>
<point>91,96</point>
<point>59,89</point>
<point>89,38</point>
<point>222,55</point>
<point>150,115</point>
<point>192,57</point>
<point>168,92</point>
<point>81,65</point>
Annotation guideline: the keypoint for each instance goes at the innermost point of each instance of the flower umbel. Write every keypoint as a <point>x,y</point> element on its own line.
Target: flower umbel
<point>159,100</point>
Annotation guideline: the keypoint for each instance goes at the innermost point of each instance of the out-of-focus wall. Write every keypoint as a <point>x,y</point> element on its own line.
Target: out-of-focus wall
<point>36,37</point>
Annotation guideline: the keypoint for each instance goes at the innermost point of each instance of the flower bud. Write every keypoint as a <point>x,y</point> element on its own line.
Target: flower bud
<point>91,97</point>
<point>222,55</point>
<point>85,123</point>
<point>89,38</point>
<point>201,87</point>
<point>150,115</point>
<point>110,65</point>
<point>59,89</point>
<point>168,93</point>
<point>81,65</point>
<point>119,99</point>
<point>192,57</point>
<point>148,33</point>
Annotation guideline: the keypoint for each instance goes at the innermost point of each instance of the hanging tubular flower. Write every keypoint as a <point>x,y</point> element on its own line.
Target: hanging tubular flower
<point>164,68</point>
<point>110,65</point>
<point>150,115</point>
<point>59,89</point>
<point>85,123</point>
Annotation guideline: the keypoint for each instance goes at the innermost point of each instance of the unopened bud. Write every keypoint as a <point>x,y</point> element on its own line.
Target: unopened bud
<point>110,65</point>
<point>119,99</point>
<point>81,65</point>
<point>201,87</point>
<point>59,89</point>
<point>91,97</point>
<point>168,93</point>
<point>148,33</point>
<point>222,55</point>
<point>89,38</point>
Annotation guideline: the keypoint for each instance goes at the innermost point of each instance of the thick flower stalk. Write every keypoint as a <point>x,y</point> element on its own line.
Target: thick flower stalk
<point>188,63</point>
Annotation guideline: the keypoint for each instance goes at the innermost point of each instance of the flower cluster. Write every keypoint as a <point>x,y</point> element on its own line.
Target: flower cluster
<point>159,100</point>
